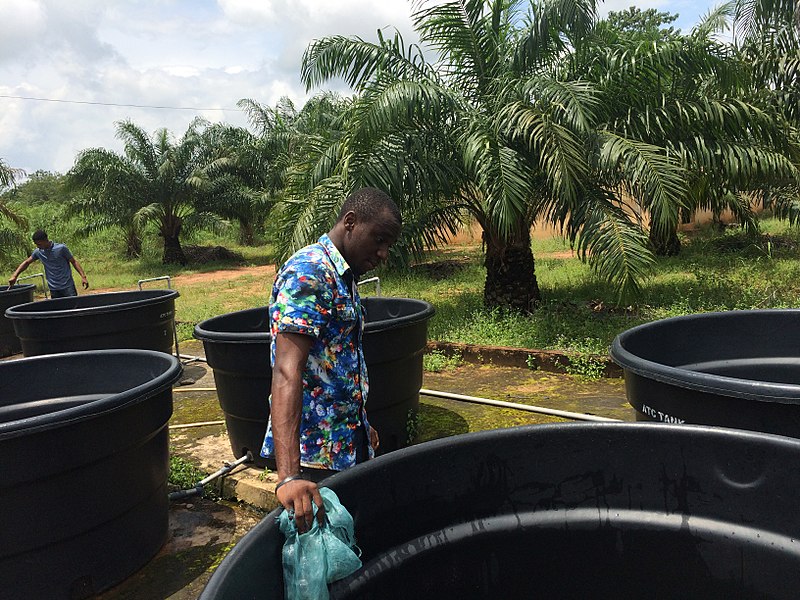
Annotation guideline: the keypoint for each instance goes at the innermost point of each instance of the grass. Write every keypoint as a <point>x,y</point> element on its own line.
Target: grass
<point>713,272</point>
<point>185,475</point>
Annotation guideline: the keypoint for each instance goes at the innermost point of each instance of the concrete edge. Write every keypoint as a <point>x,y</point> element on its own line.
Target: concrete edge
<point>525,358</point>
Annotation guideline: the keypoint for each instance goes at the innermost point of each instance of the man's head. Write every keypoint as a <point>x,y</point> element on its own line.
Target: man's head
<point>40,239</point>
<point>369,223</point>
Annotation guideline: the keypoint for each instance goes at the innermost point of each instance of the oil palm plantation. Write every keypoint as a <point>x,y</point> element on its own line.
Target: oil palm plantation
<point>767,43</point>
<point>491,128</point>
<point>529,111</point>
<point>689,95</point>
<point>156,180</point>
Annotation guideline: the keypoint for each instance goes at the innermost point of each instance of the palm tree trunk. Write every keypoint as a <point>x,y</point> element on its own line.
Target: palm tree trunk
<point>665,243</point>
<point>133,243</point>
<point>247,233</point>
<point>170,231</point>
<point>510,273</point>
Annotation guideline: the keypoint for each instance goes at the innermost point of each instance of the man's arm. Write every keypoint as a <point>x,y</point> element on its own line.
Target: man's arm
<point>79,269</point>
<point>291,356</point>
<point>22,266</point>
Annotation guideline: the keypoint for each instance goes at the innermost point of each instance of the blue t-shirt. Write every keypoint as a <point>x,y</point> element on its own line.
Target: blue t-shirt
<point>55,261</point>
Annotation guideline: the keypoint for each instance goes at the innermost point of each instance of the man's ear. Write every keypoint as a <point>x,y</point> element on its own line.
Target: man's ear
<point>349,220</point>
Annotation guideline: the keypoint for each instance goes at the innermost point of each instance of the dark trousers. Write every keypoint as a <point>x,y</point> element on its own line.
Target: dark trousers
<point>66,292</point>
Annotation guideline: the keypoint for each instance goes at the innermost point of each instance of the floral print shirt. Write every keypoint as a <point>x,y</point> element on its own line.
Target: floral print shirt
<point>315,294</point>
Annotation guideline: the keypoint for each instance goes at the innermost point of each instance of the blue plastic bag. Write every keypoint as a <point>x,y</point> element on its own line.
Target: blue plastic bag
<point>320,556</point>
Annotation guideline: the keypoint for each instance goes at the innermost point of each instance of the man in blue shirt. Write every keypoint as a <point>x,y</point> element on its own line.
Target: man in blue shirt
<point>56,260</point>
<point>318,420</point>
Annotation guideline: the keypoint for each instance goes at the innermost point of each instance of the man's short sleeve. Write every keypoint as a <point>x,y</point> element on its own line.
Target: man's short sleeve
<point>302,301</point>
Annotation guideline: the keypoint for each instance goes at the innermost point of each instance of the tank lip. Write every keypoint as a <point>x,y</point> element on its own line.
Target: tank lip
<point>385,324</point>
<point>202,331</point>
<point>18,287</point>
<point>18,312</point>
<point>736,387</point>
<point>619,435</point>
<point>113,402</point>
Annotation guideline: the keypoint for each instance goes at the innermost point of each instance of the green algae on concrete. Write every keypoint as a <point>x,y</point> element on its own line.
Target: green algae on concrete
<point>201,534</point>
<point>440,418</point>
<point>195,407</point>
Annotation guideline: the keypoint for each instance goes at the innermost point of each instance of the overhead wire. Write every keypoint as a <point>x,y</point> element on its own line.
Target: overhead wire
<point>119,104</point>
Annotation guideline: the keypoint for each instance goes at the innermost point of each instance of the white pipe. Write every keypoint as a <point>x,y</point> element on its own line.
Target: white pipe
<point>535,409</point>
<point>200,424</point>
<point>198,489</point>
<point>553,412</point>
<point>376,281</point>
<point>189,358</point>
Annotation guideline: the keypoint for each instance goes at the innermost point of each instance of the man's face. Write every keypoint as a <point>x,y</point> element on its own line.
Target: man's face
<point>369,241</point>
<point>42,244</point>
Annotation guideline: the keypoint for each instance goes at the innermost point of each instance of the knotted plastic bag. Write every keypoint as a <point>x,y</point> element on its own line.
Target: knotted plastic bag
<point>320,556</point>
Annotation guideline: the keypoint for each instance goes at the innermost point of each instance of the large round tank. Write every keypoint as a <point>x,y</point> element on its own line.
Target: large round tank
<point>633,510</point>
<point>395,336</point>
<point>237,347</point>
<point>142,319</point>
<point>18,294</point>
<point>734,369</point>
<point>84,457</point>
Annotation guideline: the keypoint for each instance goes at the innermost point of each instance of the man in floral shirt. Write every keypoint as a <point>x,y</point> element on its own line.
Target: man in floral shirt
<point>318,423</point>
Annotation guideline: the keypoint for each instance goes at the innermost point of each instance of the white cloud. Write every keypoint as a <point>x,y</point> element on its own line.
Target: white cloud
<point>203,54</point>
<point>23,20</point>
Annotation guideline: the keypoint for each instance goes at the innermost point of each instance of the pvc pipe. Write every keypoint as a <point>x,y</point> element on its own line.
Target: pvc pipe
<point>553,412</point>
<point>188,389</point>
<point>534,409</point>
<point>200,424</point>
<point>189,358</point>
<point>198,489</point>
<point>376,281</point>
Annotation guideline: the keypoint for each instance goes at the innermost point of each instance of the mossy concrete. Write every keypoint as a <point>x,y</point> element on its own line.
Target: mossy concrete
<point>208,447</point>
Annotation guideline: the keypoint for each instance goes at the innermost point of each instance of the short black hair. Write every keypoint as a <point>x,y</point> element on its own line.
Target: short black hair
<point>369,202</point>
<point>39,235</point>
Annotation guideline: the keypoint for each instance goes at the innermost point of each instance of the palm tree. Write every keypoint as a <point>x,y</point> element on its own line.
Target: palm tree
<point>687,94</point>
<point>767,43</point>
<point>157,179</point>
<point>232,183</point>
<point>11,237</point>
<point>107,198</point>
<point>8,175</point>
<point>537,114</point>
<point>517,139</point>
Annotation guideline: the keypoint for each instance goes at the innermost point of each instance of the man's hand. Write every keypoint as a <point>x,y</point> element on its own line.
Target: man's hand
<point>12,281</point>
<point>85,283</point>
<point>298,497</point>
<point>374,440</point>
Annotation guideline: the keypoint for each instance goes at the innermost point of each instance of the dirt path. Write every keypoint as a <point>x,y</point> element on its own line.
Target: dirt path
<point>265,272</point>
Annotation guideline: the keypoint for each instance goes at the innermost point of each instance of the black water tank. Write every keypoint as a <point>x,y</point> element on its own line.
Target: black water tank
<point>395,336</point>
<point>237,347</point>
<point>19,294</point>
<point>634,510</point>
<point>84,457</point>
<point>142,319</point>
<point>734,369</point>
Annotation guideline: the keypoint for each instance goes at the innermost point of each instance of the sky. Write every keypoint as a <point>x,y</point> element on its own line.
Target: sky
<point>69,70</point>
